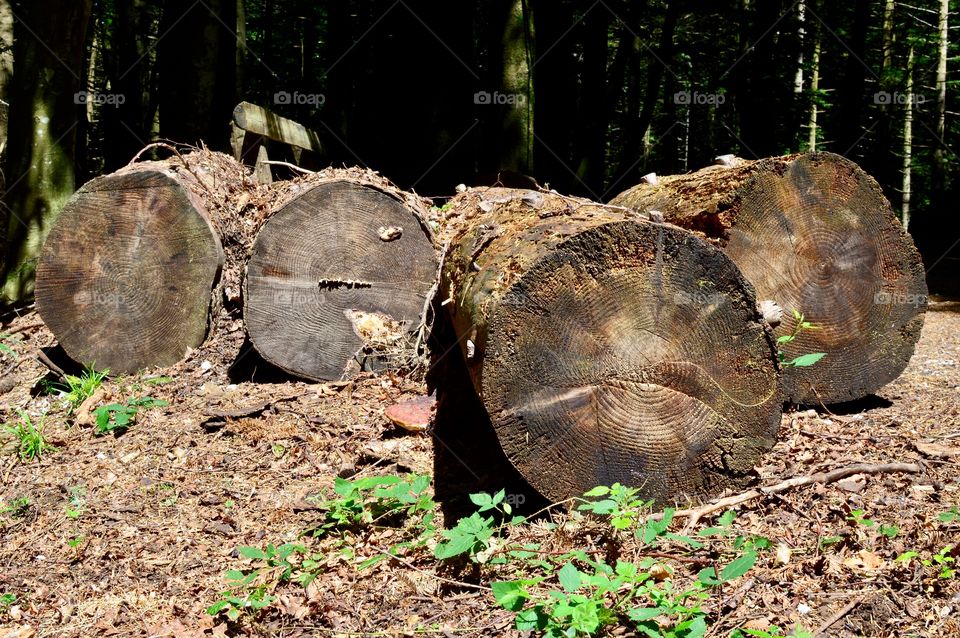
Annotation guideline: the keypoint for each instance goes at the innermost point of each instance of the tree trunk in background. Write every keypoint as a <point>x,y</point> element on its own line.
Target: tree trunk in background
<point>608,349</point>
<point>48,62</point>
<point>6,72</point>
<point>812,233</point>
<point>801,34</point>
<point>940,157</point>
<point>637,127</point>
<point>517,85</point>
<point>814,94</point>
<point>555,87</point>
<point>851,92</point>
<point>197,60</point>
<point>591,122</point>
<point>907,144</point>
<point>887,162</point>
<point>127,127</point>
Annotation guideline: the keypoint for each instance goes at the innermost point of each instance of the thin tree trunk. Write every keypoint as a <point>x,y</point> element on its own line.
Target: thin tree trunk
<point>907,143</point>
<point>940,158</point>
<point>814,95</point>
<point>48,63</point>
<point>801,34</point>
<point>6,71</point>
<point>517,89</point>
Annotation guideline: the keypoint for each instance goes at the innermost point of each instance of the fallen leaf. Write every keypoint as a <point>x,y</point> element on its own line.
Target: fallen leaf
<point>937,450</point>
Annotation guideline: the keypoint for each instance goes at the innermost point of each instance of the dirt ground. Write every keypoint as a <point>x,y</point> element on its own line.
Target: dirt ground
<point>130,535</point>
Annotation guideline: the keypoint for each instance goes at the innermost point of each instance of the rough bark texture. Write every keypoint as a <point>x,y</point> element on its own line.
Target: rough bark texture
<point>607,348</point>
<point>339,275</point>
<point>126,274</point>
<point>814,233</point>
<point>42,142</point>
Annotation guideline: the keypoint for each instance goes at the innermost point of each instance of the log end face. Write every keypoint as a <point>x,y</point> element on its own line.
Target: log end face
<point>328,291</point>
<point>125,276</point>
<point>815,234</point>
<point>632,353</point>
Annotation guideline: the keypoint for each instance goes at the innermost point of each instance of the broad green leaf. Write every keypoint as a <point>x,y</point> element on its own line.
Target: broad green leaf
<point>252,552</point>
<point>569,577</point>
<point>509,594</point>
<point>807,359</point>
<point>600,490</point>
<point>738,567</point>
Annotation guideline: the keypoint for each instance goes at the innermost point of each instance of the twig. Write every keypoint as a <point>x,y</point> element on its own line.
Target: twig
<point>170,147</point>
<point>695,514</point>
<point>45,360</point>
<point>29,326</point>
<point>292,167</point>
<point>832,620</point>
<point>430,574</point>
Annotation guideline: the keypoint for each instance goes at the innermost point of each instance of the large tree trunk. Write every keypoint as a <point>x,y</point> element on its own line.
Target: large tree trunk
<point>813,233</point>
<point>48,62</point>
<point>126,274</point>
<point>339,276</point>
<point>606,348</point>
<point>197,63</point>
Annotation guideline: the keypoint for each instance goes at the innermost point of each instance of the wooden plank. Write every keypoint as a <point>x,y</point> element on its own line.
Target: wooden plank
<point>258,120</point>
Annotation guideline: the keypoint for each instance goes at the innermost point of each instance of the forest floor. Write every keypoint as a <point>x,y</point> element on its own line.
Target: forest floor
<point>132,534</point>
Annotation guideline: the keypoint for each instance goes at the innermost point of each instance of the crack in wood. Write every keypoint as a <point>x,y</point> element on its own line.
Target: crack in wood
<point>337,284</point>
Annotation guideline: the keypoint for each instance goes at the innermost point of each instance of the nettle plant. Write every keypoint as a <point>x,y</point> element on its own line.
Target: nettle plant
<point>579,592</point>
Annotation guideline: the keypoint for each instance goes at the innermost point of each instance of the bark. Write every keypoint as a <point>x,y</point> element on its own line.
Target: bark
<point>48,59</point>
<point>606,348</point>
<point>125,277</point>
<point>339,276</point>
<point>6,70</point>
<point>517,84</point>
<point>907,145</point>
<point>814,95</point>
<point>813,233</point>
<point>940,158</point>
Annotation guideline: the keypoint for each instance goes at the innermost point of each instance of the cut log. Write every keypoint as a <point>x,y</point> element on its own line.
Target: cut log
<point>815,234</point>
<point>125,277</point>
<point>607,348</point>
<point>339,276</point>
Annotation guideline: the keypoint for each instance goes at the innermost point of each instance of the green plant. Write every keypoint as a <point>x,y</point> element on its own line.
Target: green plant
<point>253,590</point>
<point>6,601</point>
<point>31,443</point>
<point>76,389</point>
<point>950,516</point>
<point>76,504</point>
<point>17,508</point>
<point>943,561</point>
<point>116,417</point>
<point>5,348</point>
<point>803,360</point>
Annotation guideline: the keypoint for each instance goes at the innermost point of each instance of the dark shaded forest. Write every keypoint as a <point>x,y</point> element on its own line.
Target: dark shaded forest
<point>585,96</point>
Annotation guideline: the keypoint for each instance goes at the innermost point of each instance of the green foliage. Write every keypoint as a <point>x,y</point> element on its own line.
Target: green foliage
<point>31,443</point>
<point>804,360</point>
<point>5,349</point>
<point>17,508</point>
<point>573,593</point>
<point>115,418</point>
<point>950,516</point>
<point>6,601</point>
<point>944,562</point>
<point>76,390</point>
